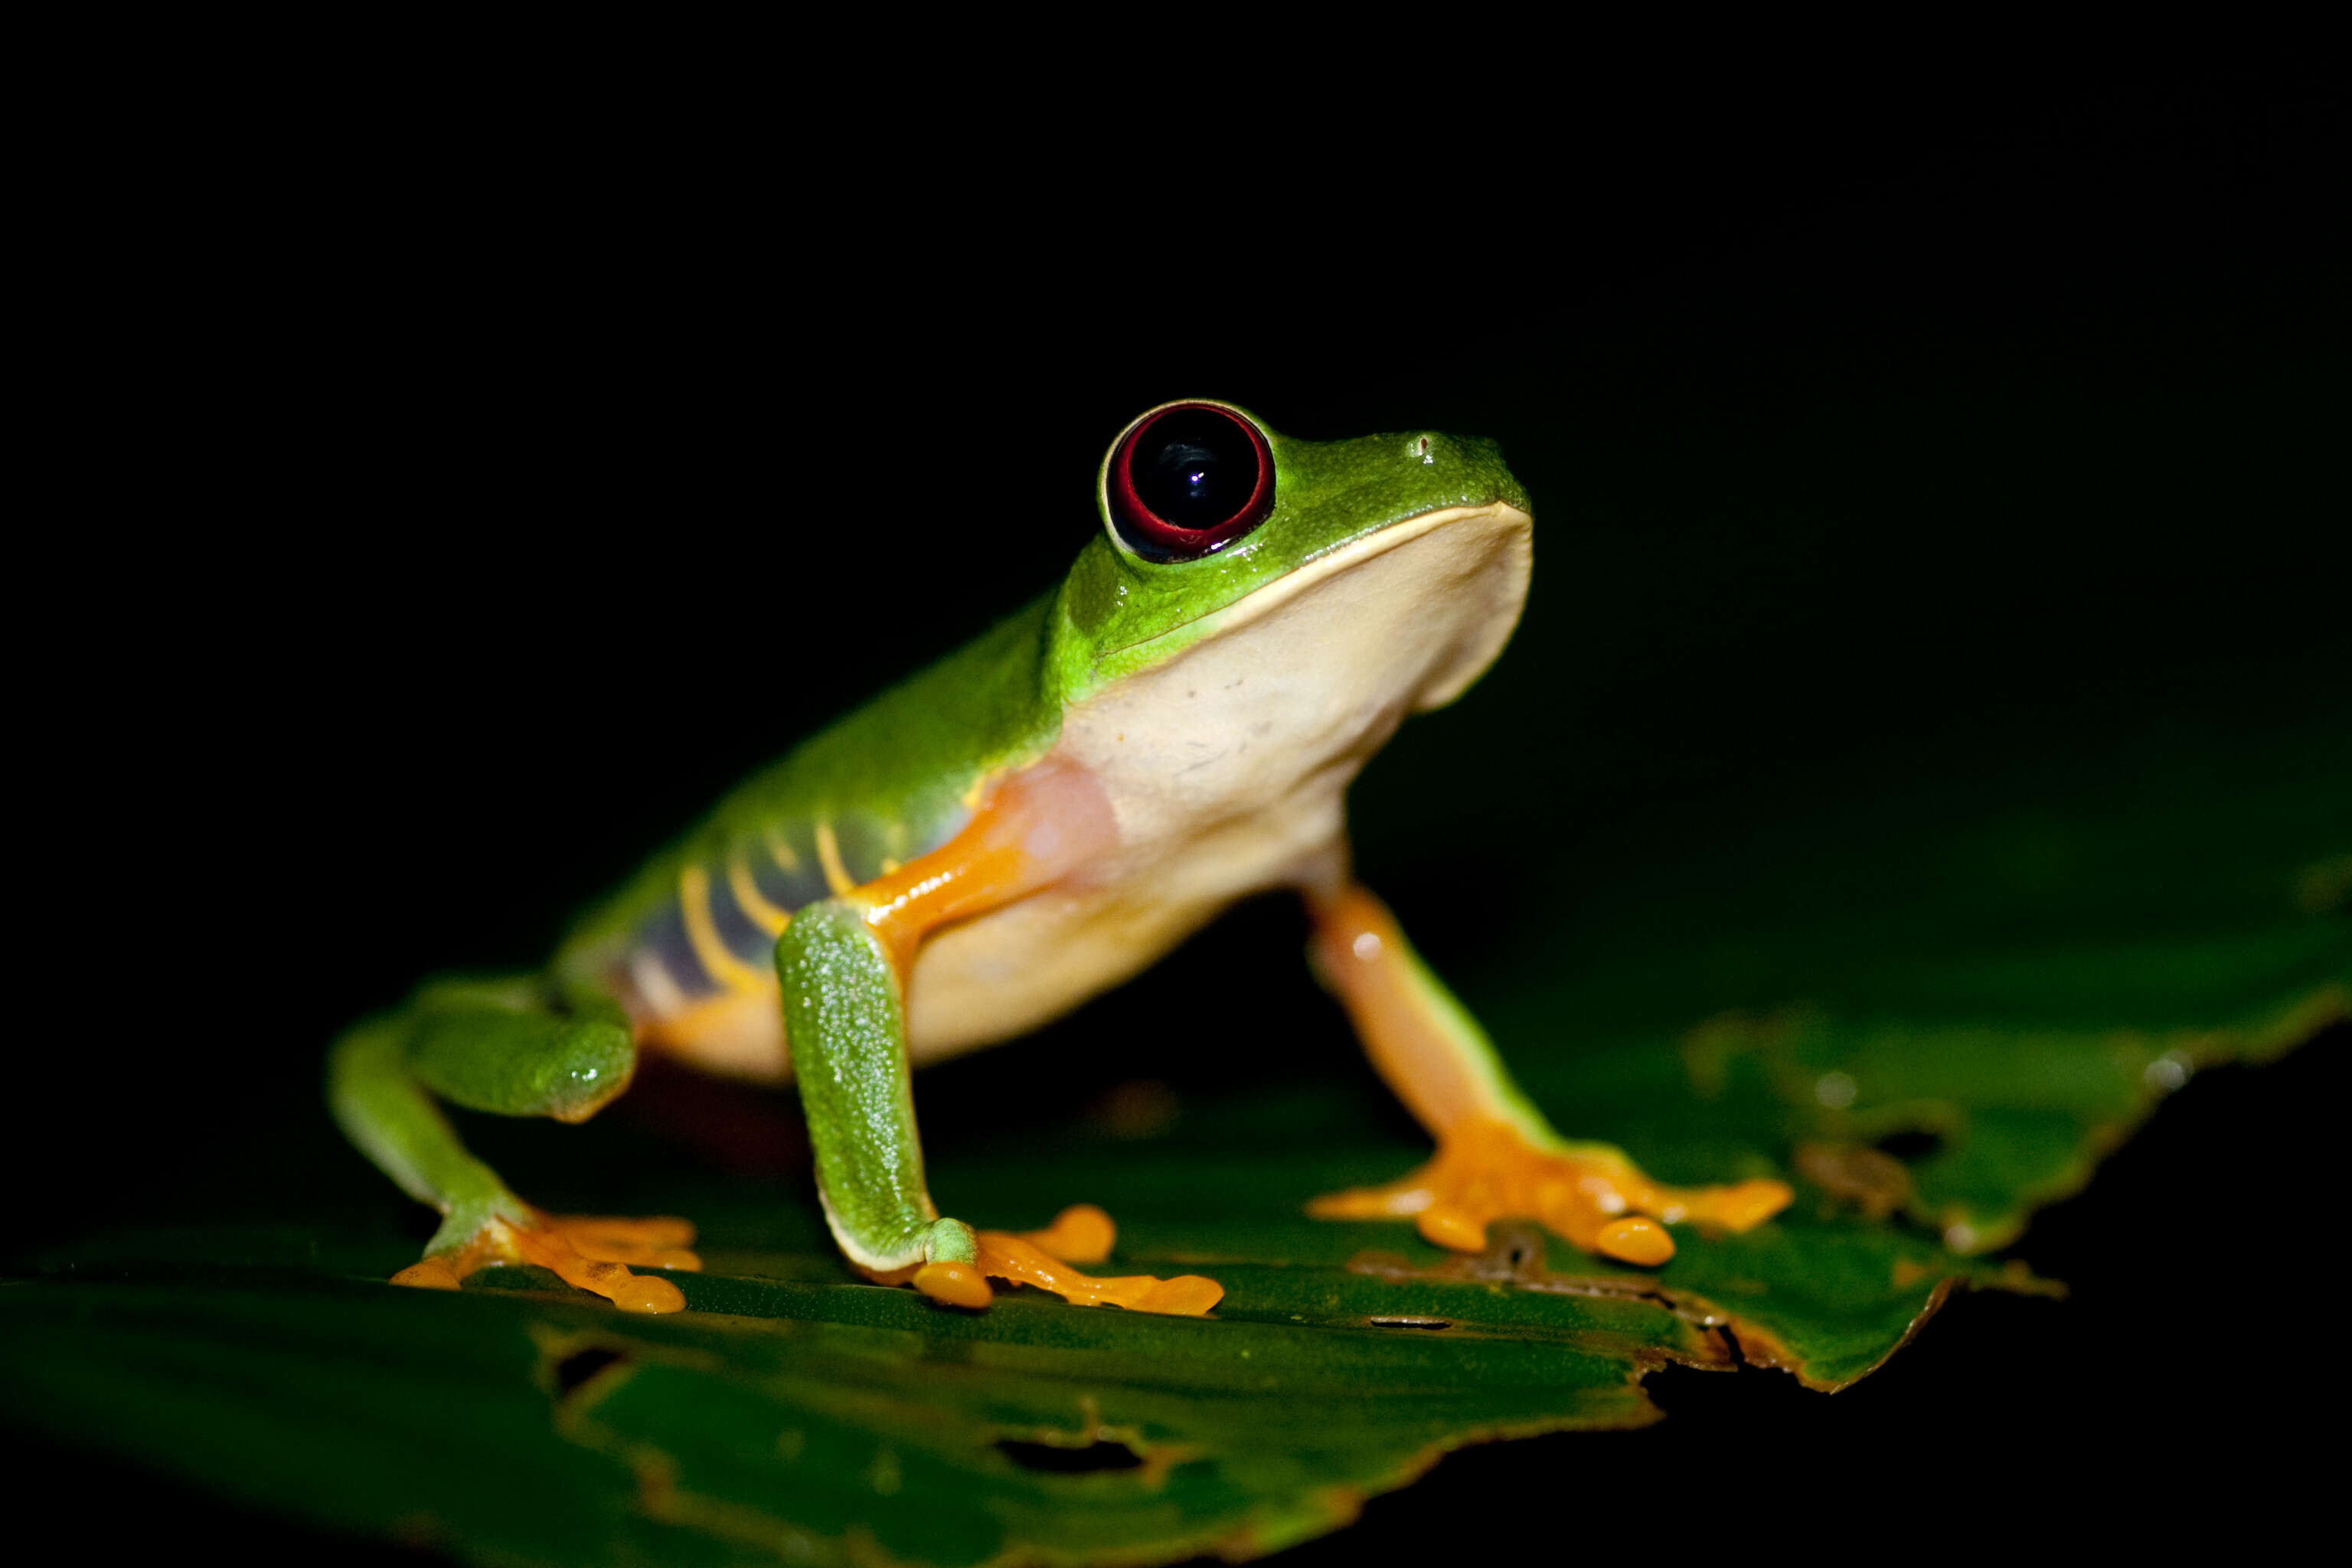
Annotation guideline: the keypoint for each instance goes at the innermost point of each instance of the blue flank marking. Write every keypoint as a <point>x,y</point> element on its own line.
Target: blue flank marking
<point>788,890</point>
<point>665,936</point>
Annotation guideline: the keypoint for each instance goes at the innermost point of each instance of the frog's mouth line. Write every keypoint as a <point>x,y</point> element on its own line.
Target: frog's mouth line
<point>1264,600</point>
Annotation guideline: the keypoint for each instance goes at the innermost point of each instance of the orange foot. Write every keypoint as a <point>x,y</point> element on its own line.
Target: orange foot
<point>588,1251</point>
<point>1081,1234</point>
<point>1589,1193</point>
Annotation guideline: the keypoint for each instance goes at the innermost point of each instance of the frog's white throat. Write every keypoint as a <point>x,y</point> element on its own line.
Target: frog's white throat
<point>1226,768</point>
<point>1449,584</point>
<point>1296,685</point>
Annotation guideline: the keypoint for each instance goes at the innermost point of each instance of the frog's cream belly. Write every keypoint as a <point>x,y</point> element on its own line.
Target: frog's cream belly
<point>1004,974</point>
<point>1226,769</point>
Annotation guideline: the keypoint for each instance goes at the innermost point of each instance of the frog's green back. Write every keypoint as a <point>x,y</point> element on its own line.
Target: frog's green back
<point>885,784</point>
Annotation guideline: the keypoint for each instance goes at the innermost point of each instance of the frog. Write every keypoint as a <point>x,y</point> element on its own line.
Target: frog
<point>1029,821</point>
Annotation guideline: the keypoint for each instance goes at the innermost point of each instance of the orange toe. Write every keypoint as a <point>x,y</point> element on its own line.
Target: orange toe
<point>647,1293</point>
<point>954,1284</point>
<point>431,1274</point>
<point>1004,1256</point>
<point>1186,1296</point>
<point>1635,1239</point>
<point>1450,1228</point>
<point>1080,1234</point>
<point>1746,1205</point>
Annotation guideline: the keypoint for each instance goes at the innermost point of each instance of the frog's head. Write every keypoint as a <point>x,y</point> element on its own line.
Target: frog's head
<point>1391,568</point>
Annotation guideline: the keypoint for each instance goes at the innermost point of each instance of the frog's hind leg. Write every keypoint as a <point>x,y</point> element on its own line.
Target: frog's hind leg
<point>495,1048</point>
<point>1496,1156</point>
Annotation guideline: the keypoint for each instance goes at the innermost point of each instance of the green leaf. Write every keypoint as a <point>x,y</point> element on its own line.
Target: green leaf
<point>1996,994</point>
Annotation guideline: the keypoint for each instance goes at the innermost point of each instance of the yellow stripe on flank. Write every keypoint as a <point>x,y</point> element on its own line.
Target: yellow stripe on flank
<point>764,915</point>
<point>780,850</point>
<point>694,899</point>
<point>828,854</point>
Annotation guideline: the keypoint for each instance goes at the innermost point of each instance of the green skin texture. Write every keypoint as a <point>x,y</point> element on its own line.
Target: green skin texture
<point>893,777</point>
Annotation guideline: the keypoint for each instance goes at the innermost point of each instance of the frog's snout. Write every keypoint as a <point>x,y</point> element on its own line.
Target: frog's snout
<point>1471,467</point>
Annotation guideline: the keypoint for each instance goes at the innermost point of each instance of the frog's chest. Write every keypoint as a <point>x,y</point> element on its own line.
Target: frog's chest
<point>1201,825</point>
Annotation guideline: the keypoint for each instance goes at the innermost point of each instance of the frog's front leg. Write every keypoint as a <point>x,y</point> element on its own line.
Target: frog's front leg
<point>846,1021</point>
<point>842,966</point>
<point>496,1047</point>
<point>1496,1155</point>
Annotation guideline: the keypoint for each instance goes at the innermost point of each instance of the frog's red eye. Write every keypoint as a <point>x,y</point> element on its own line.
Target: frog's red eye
<point>1188,480</point>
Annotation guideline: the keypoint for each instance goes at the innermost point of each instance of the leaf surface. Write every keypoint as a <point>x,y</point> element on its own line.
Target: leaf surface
<point>1934,1021</point>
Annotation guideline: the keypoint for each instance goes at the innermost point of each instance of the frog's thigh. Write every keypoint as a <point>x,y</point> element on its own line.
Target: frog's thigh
<point>1496,1155</point>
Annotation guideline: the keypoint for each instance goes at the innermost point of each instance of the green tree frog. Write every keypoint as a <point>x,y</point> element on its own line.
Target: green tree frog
<point>1032,819</point>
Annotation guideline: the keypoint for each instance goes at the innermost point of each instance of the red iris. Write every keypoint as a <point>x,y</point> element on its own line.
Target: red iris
<point>1188,480</point>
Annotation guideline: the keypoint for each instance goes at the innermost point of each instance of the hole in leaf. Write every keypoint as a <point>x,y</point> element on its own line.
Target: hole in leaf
<point>576,1369</point>
<point>1405,1322</point>
<point>1915,1144</point>
<point>1096,1455</point>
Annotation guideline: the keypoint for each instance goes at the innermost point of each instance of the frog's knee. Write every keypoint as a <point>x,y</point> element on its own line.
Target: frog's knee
<point>592,1060</point>
<point>528,1063</point>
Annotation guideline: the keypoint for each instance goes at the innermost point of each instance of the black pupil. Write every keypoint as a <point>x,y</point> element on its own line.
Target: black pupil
<point>1194,467</point>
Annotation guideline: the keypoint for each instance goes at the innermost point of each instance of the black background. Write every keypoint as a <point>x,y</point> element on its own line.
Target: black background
<point>500,499</point>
